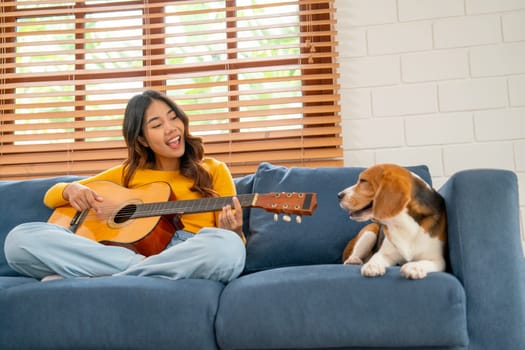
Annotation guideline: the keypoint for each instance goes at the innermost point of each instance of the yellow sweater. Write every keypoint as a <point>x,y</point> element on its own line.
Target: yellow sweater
<point>222,183</point>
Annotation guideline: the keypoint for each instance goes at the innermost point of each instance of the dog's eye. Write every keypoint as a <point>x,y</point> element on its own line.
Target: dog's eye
<point>362,181</point>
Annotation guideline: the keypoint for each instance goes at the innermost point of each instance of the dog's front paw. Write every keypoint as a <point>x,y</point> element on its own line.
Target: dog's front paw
<point>353,260</point>
<point>413,270</point>
<point>372,269</point>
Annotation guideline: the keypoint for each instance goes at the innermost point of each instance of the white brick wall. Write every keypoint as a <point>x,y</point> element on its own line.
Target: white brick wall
<point>446,65</point>
<point>472,94</point>
<point>517,91</point>
<point>487,6</point>
<point>466,31</point>
<point>439,82</point>
<point>410,10</point>
<point>498,60</point>
<point>399,100</point>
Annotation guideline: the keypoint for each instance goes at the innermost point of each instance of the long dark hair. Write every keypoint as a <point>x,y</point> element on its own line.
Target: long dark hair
<point>140,156</point>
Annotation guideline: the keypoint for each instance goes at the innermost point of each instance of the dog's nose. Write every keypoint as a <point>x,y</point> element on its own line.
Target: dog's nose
<point>340,195</point>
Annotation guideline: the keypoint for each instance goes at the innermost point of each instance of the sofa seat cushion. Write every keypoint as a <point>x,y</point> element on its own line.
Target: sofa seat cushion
<point>321,238</point>
<point>110,313</point>
<point>333,306</point>
<point>11,281</point>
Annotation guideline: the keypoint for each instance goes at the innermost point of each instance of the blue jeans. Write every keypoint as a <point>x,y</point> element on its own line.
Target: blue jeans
<point>39,249</point>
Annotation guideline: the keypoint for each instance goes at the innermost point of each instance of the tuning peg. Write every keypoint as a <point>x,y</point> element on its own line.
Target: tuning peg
<point>287,218</point>
<point>275,217</point>
<point>298,219</point>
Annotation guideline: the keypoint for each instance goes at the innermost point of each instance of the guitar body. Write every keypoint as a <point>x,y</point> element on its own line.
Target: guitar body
<point>145,235</point>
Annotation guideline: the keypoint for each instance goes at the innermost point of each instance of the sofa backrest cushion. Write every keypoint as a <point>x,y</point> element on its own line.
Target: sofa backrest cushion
<point>320,238</point>
<point>22,201</point>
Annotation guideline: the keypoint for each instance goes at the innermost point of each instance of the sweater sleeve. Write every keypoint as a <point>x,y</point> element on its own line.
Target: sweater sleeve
<point>222,180</point>
<point>53,197</point>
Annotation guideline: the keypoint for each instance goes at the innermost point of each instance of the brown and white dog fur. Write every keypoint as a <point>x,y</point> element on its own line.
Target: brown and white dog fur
<point>409,213</point>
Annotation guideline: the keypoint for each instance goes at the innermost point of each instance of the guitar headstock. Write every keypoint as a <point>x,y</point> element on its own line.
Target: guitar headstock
<point>297,203</point>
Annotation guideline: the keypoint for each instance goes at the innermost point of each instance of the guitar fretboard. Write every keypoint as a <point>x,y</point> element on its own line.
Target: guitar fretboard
<point>187,206</point>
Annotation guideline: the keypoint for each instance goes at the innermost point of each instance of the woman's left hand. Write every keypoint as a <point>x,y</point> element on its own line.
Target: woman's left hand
<point>231,218</point>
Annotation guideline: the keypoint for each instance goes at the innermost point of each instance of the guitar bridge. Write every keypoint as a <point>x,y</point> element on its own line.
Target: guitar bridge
<point>77,220</point>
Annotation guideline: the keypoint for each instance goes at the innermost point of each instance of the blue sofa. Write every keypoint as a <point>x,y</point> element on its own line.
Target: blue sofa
<point>294,293</point>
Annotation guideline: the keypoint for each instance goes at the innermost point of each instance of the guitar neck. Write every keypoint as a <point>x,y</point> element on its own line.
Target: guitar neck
<point>191,206</point>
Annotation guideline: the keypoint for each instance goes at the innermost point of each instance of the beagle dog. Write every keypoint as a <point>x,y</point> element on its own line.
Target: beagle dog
<point>408,223</point>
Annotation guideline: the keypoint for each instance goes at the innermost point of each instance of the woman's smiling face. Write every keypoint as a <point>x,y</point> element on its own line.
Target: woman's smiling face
<point>164,134</point>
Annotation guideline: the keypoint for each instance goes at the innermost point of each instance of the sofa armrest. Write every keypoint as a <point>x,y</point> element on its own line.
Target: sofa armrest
<point>486,255</point>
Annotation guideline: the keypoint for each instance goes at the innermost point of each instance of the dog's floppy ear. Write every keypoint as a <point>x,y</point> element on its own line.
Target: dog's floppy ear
<point>391,196</point>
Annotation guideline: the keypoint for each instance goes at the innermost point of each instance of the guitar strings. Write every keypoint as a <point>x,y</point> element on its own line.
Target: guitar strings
<point>178,206</point>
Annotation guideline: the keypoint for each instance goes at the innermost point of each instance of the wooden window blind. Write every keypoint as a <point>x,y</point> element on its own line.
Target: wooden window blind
<point>258,79</point>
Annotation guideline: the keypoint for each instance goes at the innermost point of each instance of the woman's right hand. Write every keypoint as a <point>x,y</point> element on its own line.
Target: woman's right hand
<point>82,197</point>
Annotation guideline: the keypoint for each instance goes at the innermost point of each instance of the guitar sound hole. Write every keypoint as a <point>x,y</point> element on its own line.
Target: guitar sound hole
<point>125,213</point>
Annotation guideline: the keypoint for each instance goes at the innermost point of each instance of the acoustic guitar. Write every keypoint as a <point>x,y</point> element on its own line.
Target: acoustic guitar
<point>145,218</point>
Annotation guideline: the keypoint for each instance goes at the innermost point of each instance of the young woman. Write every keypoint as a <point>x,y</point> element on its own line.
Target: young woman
<point>160,148</point>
